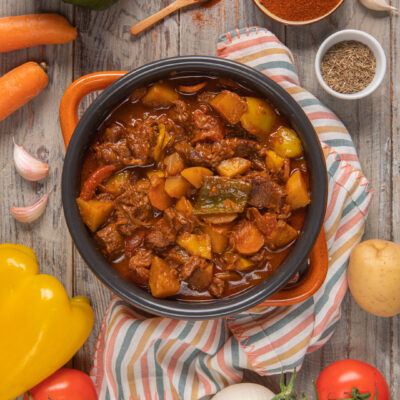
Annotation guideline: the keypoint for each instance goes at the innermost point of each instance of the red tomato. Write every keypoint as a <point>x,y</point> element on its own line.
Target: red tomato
<point>341,377</point>
<point>65,384</point>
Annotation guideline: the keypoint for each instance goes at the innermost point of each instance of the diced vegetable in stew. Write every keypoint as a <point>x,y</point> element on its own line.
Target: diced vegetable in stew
<point>195,188</point>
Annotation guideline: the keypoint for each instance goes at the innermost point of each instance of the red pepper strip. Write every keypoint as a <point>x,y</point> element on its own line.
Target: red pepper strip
<point>191,89</point>
<point>89,187</point>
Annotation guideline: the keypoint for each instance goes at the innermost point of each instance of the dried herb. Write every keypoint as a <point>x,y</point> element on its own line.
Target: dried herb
<point>348,67</point>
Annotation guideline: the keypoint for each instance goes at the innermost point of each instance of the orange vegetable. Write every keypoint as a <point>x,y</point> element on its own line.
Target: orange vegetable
<point>163,280</point>
<point>158,197</point>
<point>296,189</point>
<point>246,238</point>
<point>19,86</point>
<point>89,186</point>
<point>34,29</point>
<point>192,89</point>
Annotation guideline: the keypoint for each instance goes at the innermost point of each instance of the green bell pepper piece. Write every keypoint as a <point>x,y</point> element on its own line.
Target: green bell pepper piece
<point>92,4</point>
<point>220,195</point>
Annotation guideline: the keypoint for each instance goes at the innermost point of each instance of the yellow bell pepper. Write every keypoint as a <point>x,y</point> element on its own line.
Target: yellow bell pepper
<point>40,327</point>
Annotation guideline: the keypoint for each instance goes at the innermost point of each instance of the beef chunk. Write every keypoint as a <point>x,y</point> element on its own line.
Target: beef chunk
<point>190,265</point>
<point>201,278</point>
<point>110,241</point>
<point>179,112</point>
<point>211,154</point>
<point>134,204</point>
<point>217,287</point>
<point>265,192</point>
<point>134,241</point>
<point>117,153</point>
<point>166,229</point>
<point>207,126</point>
<point>114,132</point>
<point>142,138</point>
<point>265,223</point>
<point>139,264</point>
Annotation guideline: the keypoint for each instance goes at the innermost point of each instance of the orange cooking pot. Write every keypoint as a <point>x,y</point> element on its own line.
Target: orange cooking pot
<point>274,291</point>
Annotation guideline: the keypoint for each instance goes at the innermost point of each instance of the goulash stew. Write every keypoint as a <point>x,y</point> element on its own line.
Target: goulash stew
<point>195,188</point>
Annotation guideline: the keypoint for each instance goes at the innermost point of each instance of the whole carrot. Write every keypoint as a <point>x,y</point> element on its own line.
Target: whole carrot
<point>34,29</point>
<point>19,86</point>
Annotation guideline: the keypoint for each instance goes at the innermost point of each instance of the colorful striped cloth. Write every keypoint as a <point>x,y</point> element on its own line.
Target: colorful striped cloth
<point>138,357</point>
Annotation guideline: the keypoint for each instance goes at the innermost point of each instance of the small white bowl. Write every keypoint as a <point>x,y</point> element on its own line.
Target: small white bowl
<point>359,36</point>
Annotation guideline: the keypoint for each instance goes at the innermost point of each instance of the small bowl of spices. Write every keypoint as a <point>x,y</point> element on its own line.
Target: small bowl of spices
<point>350,64</point>
<point>298,12</point>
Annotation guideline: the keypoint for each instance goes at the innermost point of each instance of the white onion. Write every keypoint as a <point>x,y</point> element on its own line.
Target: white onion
<point>244,391</point>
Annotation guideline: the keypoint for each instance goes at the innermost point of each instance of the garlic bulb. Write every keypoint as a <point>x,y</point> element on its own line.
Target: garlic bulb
<point>378,5</point>
<point>30,213</point>
<point>28,166</point>
<point>242,391</point>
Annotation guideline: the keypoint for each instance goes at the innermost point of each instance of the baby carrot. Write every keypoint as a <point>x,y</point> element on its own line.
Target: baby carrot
<point>34,29</point>
<point>19,86</point>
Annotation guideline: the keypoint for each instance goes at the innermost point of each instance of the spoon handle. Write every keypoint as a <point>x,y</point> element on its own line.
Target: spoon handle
<point>158,16</point>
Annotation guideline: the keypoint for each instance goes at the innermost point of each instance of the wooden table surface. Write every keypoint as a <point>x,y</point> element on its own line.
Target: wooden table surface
<point>104,43</point>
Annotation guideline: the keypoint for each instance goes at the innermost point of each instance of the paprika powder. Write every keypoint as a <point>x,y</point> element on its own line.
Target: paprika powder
<point>299,10</point>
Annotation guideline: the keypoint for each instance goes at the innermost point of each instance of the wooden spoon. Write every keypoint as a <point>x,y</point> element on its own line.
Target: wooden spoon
<point>153,19</point>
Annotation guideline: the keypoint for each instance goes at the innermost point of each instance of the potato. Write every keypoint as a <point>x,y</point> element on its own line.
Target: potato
<point>218,236</point>
<point>160,95</point>
<point>219,218</point>
<point>153,172</point>
<point>233,166</point>
<point>281,236</point>
<point>94,212</point>
<point>195,175</point>
<point>158,196</point>
<point>176,186</point>
<point>184,206</point>
<point>174,164</point>
<point>196,245</point>
<point>230,105</point>
<point>259,118</point>
<point>374,277</point>
<point>116,183</point>
<point>286,143</point>
<point>163,280</point>
<point>273,161</point>
<point>296,190</point>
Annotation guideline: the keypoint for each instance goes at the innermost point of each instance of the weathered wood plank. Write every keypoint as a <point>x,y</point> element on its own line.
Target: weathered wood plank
<point>39,134</point>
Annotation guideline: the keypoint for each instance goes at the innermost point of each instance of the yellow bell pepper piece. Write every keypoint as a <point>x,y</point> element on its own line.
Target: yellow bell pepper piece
<point>40,327</point>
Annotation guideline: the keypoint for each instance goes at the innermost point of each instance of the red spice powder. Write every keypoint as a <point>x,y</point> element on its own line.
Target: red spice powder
<point>299,10</point>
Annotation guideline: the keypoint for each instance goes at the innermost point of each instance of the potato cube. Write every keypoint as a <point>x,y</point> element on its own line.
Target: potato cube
<point>176,186</point>
<point>153,172</point>
<point>218,236</point>
<point>233,166</point>
<point>273,161</point>
<point>243,264</point>
<point>296,190</point>
<point>160,95</point>
<point>117,183</point>
<point>184,206</point>
<point>230,105</point>
<point>163,279</point>
<point>281,236</point>
<point>94,212</point>
<point>259,118</point>
<point>196,245</point>
<point>286,143</point>
<point>195,175</point>
<point>174,164</point>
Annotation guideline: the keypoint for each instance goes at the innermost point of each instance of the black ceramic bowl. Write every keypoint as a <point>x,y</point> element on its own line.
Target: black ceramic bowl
<point>118,92</point>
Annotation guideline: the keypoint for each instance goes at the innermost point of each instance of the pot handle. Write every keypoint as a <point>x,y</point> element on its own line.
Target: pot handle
<point>74,94</point>
<point>308,284</point>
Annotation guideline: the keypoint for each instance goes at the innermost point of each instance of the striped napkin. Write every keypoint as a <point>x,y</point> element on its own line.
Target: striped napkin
<point>137,357</point>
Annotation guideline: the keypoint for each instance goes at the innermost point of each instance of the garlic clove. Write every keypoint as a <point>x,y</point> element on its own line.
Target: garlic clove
<point>378,5</point>
<point>28,166</point>
<point>30,213</point>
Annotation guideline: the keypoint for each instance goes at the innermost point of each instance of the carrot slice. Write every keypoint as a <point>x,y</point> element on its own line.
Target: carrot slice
<point>192,89</point>
<point>89,186</point>
<point>33,30</point>
<point>19,86</point>
<point>246,238</point>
